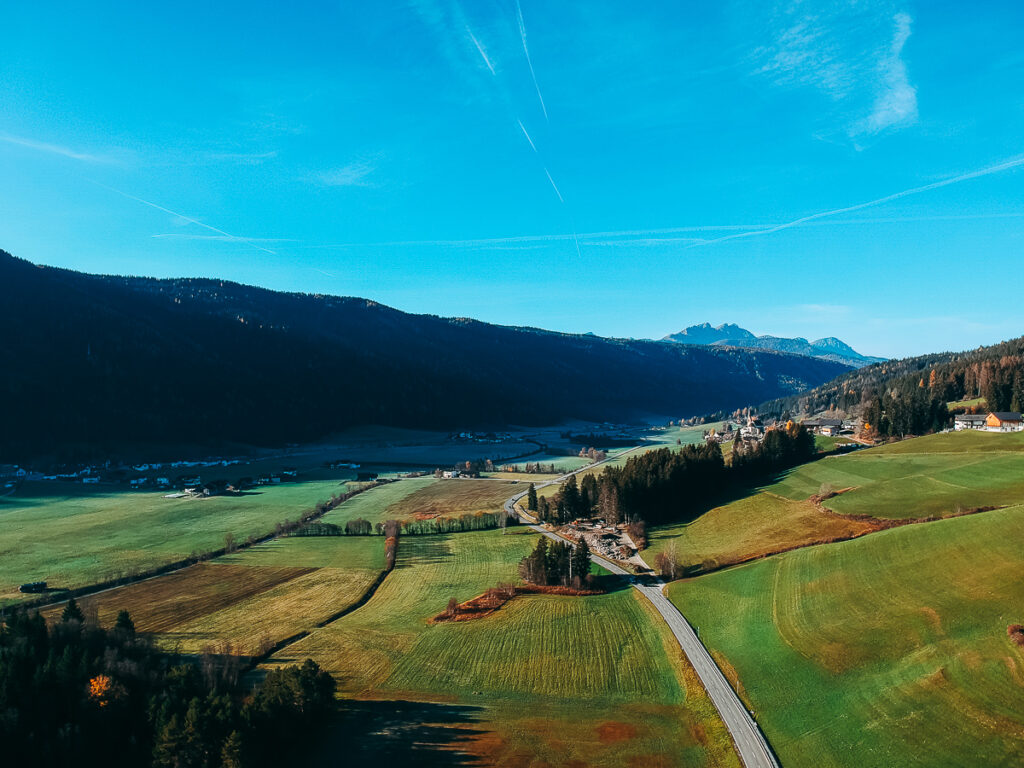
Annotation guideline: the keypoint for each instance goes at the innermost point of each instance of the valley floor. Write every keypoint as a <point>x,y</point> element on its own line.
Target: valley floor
<point>867,626</point>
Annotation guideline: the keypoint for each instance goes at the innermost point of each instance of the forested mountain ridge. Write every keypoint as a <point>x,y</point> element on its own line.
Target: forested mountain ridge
<point>909,396</point>
<point>95,361</point>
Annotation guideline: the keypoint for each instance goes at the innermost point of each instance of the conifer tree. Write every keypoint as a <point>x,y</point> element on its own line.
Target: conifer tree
<point>580,561</point>
<point>72,612</point>
<point>124,623</point>
<point>231,752</point>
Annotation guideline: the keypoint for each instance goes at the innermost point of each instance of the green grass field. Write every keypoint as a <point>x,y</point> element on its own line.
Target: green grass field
<point>69,535</point>
<point>888,650</point>
<point>752,527</point>
<point>562,462</point>
<point>824,443</point>
<point>556,679</point>
<point>250,599</point>
<point>925,476</point>
<point>967,441</point>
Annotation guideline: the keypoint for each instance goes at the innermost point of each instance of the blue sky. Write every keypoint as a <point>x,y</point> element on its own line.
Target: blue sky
<point>803,168</point>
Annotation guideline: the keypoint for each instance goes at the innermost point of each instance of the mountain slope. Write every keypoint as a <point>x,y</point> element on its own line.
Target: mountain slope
<point>995,373</point>
<point>732,335</point>
<point>705,333</point>
<point>98,361</point>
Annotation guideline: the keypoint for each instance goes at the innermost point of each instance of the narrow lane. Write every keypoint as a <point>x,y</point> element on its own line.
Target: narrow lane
<point>750,742</point>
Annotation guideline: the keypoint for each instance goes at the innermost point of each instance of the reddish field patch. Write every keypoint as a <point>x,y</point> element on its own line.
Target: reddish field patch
<point>611,732</point>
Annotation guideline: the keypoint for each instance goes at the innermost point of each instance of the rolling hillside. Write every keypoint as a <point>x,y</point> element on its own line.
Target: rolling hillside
<point>95,362</point>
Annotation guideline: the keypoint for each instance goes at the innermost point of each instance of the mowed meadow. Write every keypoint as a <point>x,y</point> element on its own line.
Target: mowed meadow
<point>71,535</point>
<point>934,476</point>
<point>544,680</point>
<point>888,650</point>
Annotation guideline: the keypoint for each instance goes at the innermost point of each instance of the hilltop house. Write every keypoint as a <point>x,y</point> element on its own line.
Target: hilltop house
<point>964,421</point>
<point>1004,421</point>
<point>997,421</point>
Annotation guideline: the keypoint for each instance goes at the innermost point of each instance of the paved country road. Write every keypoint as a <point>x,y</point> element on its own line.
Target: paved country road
<point>750,743</point>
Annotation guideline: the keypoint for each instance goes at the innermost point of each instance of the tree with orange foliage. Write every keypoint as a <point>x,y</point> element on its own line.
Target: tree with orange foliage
<point>99,689</point>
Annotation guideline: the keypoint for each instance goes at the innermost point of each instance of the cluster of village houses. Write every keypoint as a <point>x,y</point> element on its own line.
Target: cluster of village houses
<point>190,483</point>
<point>480,437</point>
<point>755,428</point>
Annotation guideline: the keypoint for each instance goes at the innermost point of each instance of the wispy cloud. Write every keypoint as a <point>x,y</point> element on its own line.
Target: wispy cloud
<point>850,51</point>
<point>446,21</point>
<point>55,149</point>
<point>242,158</point>
<point>353,175</point>
<point>248,241</point>
<point>896,102</point>
<point>529,60</point>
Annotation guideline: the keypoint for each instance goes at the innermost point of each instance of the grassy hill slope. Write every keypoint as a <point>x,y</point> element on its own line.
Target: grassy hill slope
<point>931,476</point>
<point>888,650</point>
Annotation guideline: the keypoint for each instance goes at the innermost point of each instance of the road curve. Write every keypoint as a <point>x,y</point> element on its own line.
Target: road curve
<point>750,742</point>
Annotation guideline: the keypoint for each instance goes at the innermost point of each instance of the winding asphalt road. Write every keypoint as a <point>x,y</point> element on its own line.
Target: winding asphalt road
<point>750,742</point>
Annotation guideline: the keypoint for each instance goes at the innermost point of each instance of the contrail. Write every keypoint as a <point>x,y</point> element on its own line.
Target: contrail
<point>483,53</point>
<point>529,61</point>
<point>1004,166</point>
<point>53,148</point>
<point>554,186</point>
<point>576,240</point>
<point>186,218</point>
<point>550,177</point>
<point>527,135</point>
<point>223,238</point>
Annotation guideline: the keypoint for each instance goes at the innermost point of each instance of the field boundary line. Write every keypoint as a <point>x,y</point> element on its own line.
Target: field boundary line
<point>178,565</point>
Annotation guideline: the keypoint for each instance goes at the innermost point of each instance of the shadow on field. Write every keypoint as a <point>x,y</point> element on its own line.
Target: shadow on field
<point>398,734</point>
<point>423,550</point>
<point>610,582</point>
